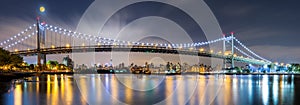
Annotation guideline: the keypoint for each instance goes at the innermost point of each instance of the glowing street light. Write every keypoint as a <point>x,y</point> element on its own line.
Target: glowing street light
<point>220,52</point>
<point>67,45</point>
<point>201,49</point>
<point>226,53</point>
<point>234,55</point>
<point>191,49</point>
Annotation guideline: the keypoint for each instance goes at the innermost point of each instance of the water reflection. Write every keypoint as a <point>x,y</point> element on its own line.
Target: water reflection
<point>47,89</point>
<point>171,90</point>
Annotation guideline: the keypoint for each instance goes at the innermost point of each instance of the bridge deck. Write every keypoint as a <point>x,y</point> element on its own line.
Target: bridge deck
<point>126,48</point>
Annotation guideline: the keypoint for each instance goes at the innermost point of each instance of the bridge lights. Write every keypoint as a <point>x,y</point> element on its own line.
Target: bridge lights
<point>16,50</point>
<point>99,44</point>
<point>226,53</point>
<point>169,46</point>
<point>68,45</point>
<point>288,65</point>
<point>52,46</point>
<point>201,49</point>
<point>220,52</point>
<point>180,48</point>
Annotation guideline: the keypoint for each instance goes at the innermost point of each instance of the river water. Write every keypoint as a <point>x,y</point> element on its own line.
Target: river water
<point>106,89</point>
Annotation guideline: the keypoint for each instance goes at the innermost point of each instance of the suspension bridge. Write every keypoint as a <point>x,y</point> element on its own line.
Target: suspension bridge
<point>42,39</point>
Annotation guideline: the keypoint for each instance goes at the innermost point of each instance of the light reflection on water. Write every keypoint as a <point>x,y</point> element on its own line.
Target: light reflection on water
<point>171,90</point>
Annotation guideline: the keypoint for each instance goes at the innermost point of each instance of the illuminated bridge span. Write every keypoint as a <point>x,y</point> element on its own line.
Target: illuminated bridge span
<point>42,39</point>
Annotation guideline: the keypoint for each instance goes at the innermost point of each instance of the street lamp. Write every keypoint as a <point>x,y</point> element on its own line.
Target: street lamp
<point>67,45</point>
<point>191,49</point>
<point>220,52</point>
<point>234,55</point>
<point>201,49</point>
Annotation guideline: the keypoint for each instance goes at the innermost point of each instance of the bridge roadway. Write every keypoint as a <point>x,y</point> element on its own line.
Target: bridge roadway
<point>135,48</point>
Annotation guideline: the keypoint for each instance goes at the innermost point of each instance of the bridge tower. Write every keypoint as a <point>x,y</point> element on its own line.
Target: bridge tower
<point>231,59</point>
<point>224,50</point>
<point>232,50</point>
<point>40,41</point>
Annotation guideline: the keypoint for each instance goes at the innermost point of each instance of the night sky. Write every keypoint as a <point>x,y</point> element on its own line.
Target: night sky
<point>268,27</point>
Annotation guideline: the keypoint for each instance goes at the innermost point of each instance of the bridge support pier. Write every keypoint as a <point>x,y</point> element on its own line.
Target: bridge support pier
<point>44,61</point>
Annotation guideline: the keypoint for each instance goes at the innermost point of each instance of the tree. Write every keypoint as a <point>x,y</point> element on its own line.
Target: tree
<point>9,60</point>
<point>4,57</point>
<point>295,67</point>
<point>16,59</point>
<point>52,64</point>
<point>31,67</point>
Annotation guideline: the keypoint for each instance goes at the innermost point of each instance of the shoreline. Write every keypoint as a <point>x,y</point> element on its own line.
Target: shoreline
<point>6,77</point>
